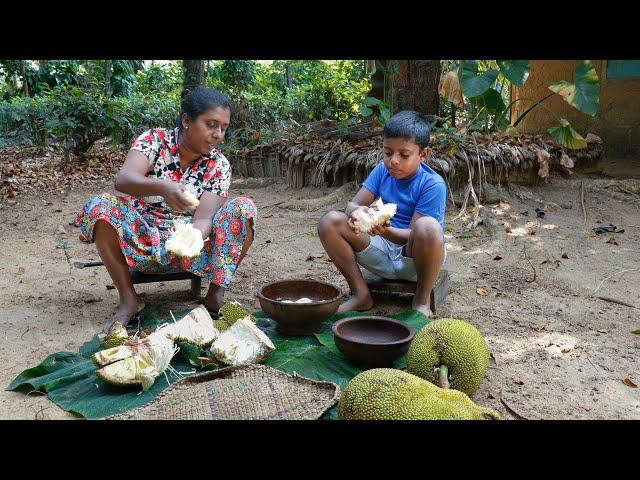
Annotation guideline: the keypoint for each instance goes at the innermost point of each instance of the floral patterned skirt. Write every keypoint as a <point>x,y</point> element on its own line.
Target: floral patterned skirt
<point>142,236</point>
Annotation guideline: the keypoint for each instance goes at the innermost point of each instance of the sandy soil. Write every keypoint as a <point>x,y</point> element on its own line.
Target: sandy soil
<point>558,351</point>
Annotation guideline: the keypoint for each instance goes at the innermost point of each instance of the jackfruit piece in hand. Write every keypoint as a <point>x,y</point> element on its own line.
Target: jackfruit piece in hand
<point>378,215</point>
<point>185,240</point>
<point>389,394</point>
<point>454,343</point>
<point>232,311</point>
<point>193,200</point>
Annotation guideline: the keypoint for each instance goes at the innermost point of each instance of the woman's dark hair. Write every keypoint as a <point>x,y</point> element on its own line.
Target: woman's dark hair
<point>410,125</point>
<point>199,100</point>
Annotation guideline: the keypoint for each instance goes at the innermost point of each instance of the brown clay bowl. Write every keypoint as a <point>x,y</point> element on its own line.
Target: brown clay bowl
<point>299,318</point>
<point>372,341</point>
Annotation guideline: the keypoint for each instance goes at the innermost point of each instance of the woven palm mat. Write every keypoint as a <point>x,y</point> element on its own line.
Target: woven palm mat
<point>245,392</point>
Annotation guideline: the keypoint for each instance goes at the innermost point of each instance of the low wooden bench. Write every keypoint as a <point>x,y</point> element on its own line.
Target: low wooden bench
<point>139,277</point>
<point>381,286</point>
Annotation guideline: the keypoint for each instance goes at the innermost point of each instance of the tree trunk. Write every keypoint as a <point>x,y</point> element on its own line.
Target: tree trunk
<point>107,78</point>
<point>415,86</point>
<point>376,68</point>
<point>193,75</point>
<point>25,82</point>
<point>287,69</point>
<point>42,64</point>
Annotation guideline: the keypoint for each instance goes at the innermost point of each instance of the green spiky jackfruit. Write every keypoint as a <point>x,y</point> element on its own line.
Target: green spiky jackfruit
<point>231,312</point>
<point>389,394</point>
<point>454,343</point>
<point>221,325</point>
<point>117,336</point>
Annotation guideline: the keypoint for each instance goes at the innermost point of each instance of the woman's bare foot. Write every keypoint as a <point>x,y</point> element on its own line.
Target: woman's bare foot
<point>126,310</point>
<point>214,298</point>
<point>424,309</point>
<point>357,302</point>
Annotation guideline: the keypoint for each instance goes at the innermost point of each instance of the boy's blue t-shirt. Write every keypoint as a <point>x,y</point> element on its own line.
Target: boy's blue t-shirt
<point>425,193</point>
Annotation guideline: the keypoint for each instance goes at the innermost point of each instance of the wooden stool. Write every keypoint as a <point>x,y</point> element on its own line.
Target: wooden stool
<point>139,277</point>
<point>379,285</point>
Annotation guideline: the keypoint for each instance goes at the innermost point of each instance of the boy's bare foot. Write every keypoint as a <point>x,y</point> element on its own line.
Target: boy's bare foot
<point>357,302</point>
<point>126,310</point>
<point>424,309</point>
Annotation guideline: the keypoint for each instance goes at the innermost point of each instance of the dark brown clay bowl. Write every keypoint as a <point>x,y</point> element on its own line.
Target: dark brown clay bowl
<point>372,341</point>
<point>299,318</point>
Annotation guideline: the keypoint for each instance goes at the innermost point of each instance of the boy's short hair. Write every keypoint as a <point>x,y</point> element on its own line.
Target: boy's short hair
<point>410,125</point>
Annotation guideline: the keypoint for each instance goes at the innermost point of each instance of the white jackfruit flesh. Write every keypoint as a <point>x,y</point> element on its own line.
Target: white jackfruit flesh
<point>185,240</point>
<point>242,343</point>
<point>196,327</point>
<point>377,215</point>
<point>193,200</point>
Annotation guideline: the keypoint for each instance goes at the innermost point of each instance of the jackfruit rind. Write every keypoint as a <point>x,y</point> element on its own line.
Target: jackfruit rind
<point>233,311</point>
<point>196,327</point>
<point>117,336</point>
<point>389,394</point>
<point>454,343</point>
<point>112,355</point>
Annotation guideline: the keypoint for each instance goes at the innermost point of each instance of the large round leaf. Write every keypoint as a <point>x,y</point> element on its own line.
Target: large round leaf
<point>491,100</point>
<point>567,136</point>
<point>473,84</point>
<point>584,93</point>
<point>516,71</point>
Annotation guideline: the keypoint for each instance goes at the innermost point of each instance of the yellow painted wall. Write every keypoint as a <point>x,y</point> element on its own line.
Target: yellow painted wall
<point>617,121</point>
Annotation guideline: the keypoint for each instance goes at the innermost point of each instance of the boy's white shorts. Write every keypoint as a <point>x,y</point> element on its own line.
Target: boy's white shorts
<point>386,259</point>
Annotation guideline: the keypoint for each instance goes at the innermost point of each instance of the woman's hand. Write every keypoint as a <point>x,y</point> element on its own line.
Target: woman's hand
<point>174,196</point>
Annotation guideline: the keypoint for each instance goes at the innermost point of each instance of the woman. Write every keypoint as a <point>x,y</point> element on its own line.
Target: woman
<point>130,230</point>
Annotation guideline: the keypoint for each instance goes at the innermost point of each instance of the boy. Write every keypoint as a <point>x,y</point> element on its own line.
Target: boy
<point>411,245</point>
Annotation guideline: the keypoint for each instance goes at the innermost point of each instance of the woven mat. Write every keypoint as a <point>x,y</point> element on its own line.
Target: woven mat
<point>245,392</point>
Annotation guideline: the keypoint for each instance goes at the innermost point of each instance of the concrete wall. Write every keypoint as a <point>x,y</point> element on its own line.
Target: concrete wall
<point>617,121</point>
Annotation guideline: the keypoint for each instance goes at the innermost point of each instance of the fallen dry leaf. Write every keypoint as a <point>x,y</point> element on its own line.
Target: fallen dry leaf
<point>612,241</point>
<point>620,231</point>
<point>21,270</point>
<point>481,291</point>
<point>507,229</point>
<point>519,290</point>
<point>629,383</point>
<point>602,330</point>
<point>590,233</point>
<point>518,381</point>
<point>566,350</point>
<point>497,257</point>
<point>637,332</point>
<point>544,207</point>
<point>565,255</point>
<point>310,258</point>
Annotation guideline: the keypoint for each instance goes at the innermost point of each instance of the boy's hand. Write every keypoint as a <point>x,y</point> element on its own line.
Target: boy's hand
<point>379,229</point>
<point>353,216</point>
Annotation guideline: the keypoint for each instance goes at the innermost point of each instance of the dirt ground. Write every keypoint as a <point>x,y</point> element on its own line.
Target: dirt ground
<point>558,351</point>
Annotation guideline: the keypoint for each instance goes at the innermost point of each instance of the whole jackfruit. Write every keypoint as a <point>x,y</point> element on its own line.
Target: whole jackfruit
<point>389,394</point>
<point>452,345</point>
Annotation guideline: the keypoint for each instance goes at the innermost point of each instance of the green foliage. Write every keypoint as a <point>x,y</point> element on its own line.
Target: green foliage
<point>584,93</point>
<point>68,103</point>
